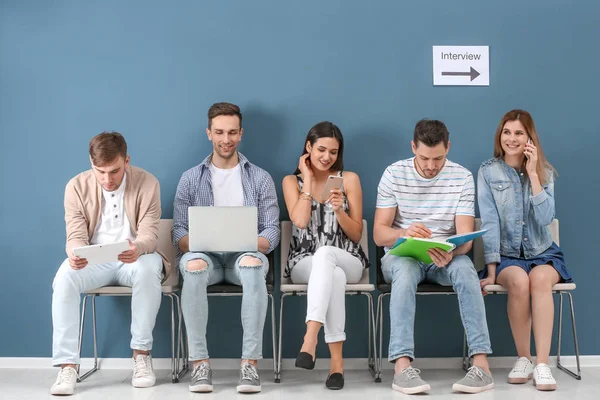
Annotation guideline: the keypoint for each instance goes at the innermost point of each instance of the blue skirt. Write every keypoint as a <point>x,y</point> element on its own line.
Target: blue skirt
<point>552,256</point>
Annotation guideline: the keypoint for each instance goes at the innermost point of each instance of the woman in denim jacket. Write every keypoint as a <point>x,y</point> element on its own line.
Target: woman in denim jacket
<point>516,203</point>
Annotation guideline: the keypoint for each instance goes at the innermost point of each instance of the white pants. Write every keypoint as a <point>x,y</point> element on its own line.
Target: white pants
<point>326,274</point>
<point>143,276</point>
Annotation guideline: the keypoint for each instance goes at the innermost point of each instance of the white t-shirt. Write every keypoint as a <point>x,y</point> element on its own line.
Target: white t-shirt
<point>227,186</point>
<point>113,225</point>
<point>433,202</point>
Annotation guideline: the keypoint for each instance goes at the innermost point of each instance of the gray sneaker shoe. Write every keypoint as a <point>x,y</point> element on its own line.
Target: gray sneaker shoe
<point>201,378</point>
<point>476,381</point>
<point>249,381</point>
<point>408,381</point>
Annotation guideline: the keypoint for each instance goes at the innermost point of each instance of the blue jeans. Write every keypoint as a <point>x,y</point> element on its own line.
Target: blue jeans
<point>405,273</point>
<point>224,267</point>
<point>143,276</point>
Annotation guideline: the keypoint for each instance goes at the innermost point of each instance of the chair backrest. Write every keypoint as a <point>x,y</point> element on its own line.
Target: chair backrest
<point>478,259</point>
<point>286,238</point>
<point>166,247</point>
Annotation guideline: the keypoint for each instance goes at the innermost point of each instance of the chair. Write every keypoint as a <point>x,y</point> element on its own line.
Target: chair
<point>170,289</point>
<point>560,289</point>
<point>229,290</point>
<point>478,261</point>
<point>364,287</point>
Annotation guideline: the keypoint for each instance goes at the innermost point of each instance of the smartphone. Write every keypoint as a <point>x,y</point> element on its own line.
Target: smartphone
<point>528,142</point>
<point>333,182</point>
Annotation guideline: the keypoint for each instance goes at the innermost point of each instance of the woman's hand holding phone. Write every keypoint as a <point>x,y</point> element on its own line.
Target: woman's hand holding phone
<point>532,158</point>
<point>336,199</point>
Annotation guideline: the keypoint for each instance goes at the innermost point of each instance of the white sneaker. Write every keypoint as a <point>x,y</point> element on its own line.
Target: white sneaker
<point>521,372</point>
<point>65,382</point>
<point>542,378</point>
<point>143,373</point>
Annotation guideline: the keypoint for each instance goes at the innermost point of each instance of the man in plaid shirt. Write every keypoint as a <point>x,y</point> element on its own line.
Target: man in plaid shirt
<point>225,178</point>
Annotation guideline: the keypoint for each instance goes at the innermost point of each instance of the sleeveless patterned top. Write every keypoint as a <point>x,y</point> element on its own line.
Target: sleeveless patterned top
<point>322,230</point>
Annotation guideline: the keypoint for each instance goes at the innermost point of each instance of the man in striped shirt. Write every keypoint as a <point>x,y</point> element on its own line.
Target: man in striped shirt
<point>225,178</point>
<point>429,196</point>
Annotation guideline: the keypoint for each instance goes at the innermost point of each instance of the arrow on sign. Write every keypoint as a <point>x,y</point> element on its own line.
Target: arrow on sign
<point>473,73</point>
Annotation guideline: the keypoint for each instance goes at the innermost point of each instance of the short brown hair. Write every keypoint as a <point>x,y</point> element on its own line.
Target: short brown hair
<point>431,132</point>
<point>223,109</point>
<point>106,147</point>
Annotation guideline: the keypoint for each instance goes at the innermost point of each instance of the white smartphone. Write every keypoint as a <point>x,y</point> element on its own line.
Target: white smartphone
<point>333,182</point>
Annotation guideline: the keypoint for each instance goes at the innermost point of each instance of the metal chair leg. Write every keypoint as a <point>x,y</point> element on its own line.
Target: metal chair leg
<point>466,361</point>
<point>380,328</point>
<point>182,355</point>
<point>280,333</point>
<point>95,368</point>
<point>576,343</point>
<point>372,358</point>
<point>174,378</point>
<point>273,336</point>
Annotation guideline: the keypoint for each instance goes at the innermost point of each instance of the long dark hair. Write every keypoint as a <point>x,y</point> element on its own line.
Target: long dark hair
<point>325,129</point>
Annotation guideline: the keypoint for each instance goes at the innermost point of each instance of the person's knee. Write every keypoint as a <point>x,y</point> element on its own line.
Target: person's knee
<point>251,262</point>
<point>406,273</point>
<point>196,266</point>
<point>149,269</point>
<point>540,282</point>
<point>339,278</point>
<point>64,277</point>
<point>518,285</point>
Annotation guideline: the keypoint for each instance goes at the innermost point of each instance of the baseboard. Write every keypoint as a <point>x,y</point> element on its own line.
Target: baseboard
<point>288,363</point>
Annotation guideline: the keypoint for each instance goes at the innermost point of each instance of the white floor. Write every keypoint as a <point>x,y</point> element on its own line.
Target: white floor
<point>296,384</point>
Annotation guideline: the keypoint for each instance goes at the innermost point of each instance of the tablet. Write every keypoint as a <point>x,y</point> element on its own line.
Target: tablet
<point>101,253</point>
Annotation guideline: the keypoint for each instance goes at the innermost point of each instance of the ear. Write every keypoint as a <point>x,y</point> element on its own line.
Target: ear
<point>308,146</point>
<point>91,162</point>
<point>241,133</point>
<point>448,148</point>
<point>414,147</point>
<point>127,160</point>
<point>208,134</point>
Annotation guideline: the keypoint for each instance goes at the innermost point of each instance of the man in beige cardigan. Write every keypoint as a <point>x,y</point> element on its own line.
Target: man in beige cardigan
<point>111,202</point>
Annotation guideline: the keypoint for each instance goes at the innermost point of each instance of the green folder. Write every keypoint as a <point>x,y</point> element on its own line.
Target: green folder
<point>417,248</point>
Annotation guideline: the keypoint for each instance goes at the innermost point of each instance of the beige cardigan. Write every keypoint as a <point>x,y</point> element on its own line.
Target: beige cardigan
<point>83,203</point>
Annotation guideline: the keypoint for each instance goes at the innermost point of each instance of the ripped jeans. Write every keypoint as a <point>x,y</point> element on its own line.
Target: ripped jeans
<point>243,269</point>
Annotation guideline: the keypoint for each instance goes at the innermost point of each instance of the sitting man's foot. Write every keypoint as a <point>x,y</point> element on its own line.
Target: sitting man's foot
<point>542,378</point>
<point>522,371</point>
<point>408,381</point>
<point>201,378</point>
<point>65,382</point>
<point>249,380</point>
<point>143,373</point>
<point>476,381</point>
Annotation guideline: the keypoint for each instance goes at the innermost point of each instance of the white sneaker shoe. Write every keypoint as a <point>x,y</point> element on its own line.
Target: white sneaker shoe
<point>521,372</point>
<point>65,382</point>
<point>542,378</point>
<point>143,373</point>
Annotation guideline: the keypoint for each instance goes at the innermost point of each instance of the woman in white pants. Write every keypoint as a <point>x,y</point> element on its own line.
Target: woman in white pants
<point>324,250</point>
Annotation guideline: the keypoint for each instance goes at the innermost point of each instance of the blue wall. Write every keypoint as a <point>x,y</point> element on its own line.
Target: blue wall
<point>150,69</point>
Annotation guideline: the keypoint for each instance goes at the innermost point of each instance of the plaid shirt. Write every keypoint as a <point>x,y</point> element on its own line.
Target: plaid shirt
<point>195,189</point>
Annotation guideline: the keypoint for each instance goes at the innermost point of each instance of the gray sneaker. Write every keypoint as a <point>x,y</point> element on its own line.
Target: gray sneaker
<point>408,381</point>
<point>249,381</point>
<point>476,381</point>
<point>201,378</point>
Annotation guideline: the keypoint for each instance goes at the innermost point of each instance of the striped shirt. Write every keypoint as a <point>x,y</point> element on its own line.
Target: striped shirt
<point>433,202</point>
<point>195,189</point>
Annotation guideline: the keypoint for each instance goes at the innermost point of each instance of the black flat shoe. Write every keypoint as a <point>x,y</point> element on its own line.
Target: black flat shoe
<point>335,381</point>
<point>305,360</point>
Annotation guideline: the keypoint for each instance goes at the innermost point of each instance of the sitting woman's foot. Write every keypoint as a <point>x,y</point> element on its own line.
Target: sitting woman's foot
<point>306,359</point>
<point>335,381</point>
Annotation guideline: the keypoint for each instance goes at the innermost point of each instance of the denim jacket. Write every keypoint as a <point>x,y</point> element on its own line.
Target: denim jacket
<point>513,216</point>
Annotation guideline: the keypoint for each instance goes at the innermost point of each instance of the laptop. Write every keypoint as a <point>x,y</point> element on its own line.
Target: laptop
<point>223,229</point>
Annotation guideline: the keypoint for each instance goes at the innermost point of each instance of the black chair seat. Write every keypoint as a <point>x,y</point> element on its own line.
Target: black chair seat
<point>224,288</point>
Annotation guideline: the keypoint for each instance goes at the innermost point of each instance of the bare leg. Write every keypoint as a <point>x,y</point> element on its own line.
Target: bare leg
<point>516,281</point>
<point>542,278</point>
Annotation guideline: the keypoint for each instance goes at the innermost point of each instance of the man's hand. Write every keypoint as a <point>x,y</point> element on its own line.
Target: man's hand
<point>77,263</point>
<point>439,257</point>
<point>130,256</point>
<point>490,280</point>
<point>418,230</point>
